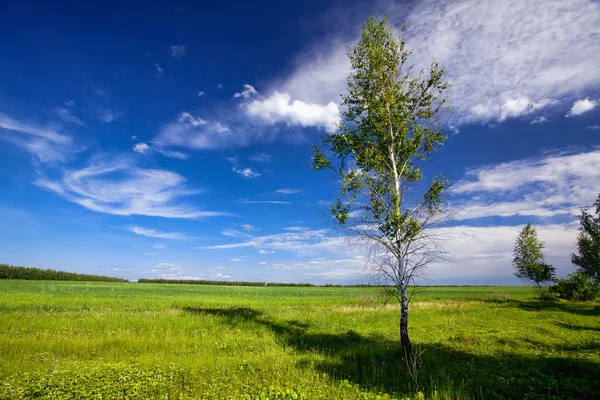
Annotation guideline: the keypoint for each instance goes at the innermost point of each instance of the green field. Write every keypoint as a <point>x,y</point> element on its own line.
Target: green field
<point>126,340</point>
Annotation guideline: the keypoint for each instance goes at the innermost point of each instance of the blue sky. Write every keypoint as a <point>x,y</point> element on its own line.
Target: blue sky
<point>172,140</point>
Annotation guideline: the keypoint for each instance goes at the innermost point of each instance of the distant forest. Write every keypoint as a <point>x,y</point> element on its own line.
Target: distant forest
<point>36,274</point>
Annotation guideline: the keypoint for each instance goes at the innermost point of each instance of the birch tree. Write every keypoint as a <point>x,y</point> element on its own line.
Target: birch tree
<point>390,130</point>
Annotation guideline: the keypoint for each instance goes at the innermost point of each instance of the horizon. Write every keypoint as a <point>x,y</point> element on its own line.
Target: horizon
<point>171,142</point>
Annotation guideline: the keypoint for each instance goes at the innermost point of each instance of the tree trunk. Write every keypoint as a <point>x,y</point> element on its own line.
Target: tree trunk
<point>541,293</point>
<point>404,339</point>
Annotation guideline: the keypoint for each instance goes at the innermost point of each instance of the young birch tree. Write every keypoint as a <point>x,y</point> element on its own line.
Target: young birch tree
<point>528,259</point>
<point>391,128</point>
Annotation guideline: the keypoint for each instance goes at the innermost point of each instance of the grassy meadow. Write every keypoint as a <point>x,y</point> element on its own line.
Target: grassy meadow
<point>137,341</point>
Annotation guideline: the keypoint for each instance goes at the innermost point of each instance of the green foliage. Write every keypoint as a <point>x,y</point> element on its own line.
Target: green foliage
<point>577,286</point>
<point>36,274</point>
<point>106,382</point>
<point>528,258</point>
<point>588,243</point>
<point>390,128</point>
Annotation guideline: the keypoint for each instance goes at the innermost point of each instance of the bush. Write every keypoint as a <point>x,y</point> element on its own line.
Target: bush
<point>576,286</point>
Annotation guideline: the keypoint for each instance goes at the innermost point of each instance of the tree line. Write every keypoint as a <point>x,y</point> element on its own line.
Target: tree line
<point>37,274</point>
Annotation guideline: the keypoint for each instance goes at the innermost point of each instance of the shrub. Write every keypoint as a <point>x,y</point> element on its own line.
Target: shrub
<point>576,286</point>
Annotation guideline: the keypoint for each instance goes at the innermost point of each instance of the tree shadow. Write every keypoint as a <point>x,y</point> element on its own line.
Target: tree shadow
<point>375,363</point>
<point>584,309</point>
<point>578,327</point>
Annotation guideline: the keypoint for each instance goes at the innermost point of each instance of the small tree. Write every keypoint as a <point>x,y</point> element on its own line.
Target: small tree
<point>588,243</point>
<point>390,129</point>
<point>528,259</point>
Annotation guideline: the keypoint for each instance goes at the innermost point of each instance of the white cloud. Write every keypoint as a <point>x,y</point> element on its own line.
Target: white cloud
<point>219,128</point>
<point>582,106</point>
<point>280,108</point>
<point>153,233</point>
<point>201,93</point>
<point>187,118</point>
<point>159,70</point>
<point>266,252</point>
<point>46,144</point>
<point>246,172</point>
<point>539,120</point>
<point>288,191</point>
<point>533,49</point>
<point>159,246</point>
<point>178,51</point>
<point>134,137</point>
<point>453,129</point>
<point>141,148</point>
<point>248,227</point>
<point>484,254</point>
<point>545,186</point>
<point>260,158</point>
<point>246,93</point>
<point>296,228</point>
<point>236,259</point>
<point>511,108</point>
<point>120,188</point>
<point>594,127</point>
<point>66,114</point>
<point>244,201</point>
<point>220,275</point>
<point>174,154</point>
<point>108,116</point>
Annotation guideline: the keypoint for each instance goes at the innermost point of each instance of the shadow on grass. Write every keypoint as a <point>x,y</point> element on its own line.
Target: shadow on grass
<point>578,327</point>
<point>375,363</point>
<point>584,309</point>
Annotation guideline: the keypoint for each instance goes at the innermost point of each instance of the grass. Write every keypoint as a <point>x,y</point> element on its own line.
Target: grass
<point>126,340</point>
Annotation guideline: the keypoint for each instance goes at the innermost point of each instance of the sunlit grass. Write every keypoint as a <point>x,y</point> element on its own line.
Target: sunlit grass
<point>278,342</point>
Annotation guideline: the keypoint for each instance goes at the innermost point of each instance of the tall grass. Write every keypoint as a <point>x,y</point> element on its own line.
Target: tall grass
<point>219,342</point>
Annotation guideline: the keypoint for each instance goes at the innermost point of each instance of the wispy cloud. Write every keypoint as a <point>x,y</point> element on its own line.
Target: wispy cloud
<point>244,201</point>
<point>288,191</point>
<point>249,228</point>
<point>246,172</point>
<point>66,114</point>
<point>549,54</point>
<point>159,246</point>
<point>594,127</point>
<point>119,187</point>
<point>46,144</point>
<point>539,120</point>
<point>545,186</point>
<point>246,93</point>
<point>154,233</point>
<point>178,51</point>
<point>159,71</point>
<point>260,157</point>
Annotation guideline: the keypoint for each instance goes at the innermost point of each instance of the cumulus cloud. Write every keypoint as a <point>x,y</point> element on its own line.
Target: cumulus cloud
<point>154,233</point>
<point>582,106</point>
<point>247,92</point>
<point>545,186</point>
<point>120,188</point>
<point>141,148</point>
<point>280,108</point>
